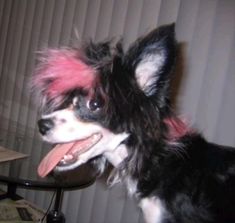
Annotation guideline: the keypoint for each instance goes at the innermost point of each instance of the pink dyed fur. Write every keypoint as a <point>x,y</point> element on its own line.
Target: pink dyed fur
<point>177,128</point>
<point>61,71</point>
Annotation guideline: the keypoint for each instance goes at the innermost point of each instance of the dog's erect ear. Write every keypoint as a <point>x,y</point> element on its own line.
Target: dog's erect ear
<point>151,58</point>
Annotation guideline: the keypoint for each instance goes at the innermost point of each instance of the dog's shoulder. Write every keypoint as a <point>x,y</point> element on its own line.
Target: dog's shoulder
<point>210,156</point>
<point>207,157</point>
<point>200,181</point>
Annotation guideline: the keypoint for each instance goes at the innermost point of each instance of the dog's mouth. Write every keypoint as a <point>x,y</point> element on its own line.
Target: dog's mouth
<point>66,154</point>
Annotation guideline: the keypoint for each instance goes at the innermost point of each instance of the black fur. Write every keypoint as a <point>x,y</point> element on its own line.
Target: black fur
<point>193,178</point>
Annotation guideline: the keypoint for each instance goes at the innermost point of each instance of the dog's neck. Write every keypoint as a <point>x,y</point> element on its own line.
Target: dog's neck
<point>177,128</point>
<point>117,156</point>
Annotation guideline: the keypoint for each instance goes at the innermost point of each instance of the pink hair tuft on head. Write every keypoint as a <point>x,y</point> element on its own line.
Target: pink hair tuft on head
<point>61,71</point>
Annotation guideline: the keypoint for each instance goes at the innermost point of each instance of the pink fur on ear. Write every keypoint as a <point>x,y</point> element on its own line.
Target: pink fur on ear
<point>176,128</point>
<point>61,71</point>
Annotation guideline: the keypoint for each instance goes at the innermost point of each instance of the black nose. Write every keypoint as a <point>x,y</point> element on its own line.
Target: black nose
<point>45,125</point>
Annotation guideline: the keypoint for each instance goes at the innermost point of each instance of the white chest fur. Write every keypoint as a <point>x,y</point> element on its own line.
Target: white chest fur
<point>153,209</point>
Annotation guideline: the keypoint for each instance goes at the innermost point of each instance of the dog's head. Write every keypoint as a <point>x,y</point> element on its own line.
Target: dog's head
<point>99,100</point>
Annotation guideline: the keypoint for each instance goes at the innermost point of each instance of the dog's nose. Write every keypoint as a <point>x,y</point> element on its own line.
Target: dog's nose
<point>45,125</point>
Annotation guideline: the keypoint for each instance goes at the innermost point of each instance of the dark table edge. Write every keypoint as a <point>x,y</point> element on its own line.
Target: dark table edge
<point>33,184</point>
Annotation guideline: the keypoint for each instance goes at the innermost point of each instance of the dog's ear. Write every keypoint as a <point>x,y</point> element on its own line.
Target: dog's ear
<point>151,59</point>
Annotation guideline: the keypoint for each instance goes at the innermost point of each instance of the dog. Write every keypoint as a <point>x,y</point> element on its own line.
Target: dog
<point>103,104</point>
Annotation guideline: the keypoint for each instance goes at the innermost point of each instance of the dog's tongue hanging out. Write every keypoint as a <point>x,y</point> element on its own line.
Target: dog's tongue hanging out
<point>72,150</point>
<point>53,158</point>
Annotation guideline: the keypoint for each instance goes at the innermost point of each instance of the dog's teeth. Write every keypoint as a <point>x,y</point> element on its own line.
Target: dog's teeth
<point>67,157</point>
<point>94,136</point>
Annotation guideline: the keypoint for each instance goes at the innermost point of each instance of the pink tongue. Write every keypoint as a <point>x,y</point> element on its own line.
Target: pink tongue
<point>56,154</point>
<point>53,158</point>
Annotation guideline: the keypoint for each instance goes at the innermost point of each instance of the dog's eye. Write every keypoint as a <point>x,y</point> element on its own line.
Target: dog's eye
<point>95,104</point>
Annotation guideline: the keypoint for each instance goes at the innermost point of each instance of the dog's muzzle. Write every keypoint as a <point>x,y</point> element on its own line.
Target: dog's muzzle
<point>45,125</point>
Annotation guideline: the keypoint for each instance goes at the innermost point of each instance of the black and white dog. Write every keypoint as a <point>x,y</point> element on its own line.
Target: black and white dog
<point>102,104</point>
